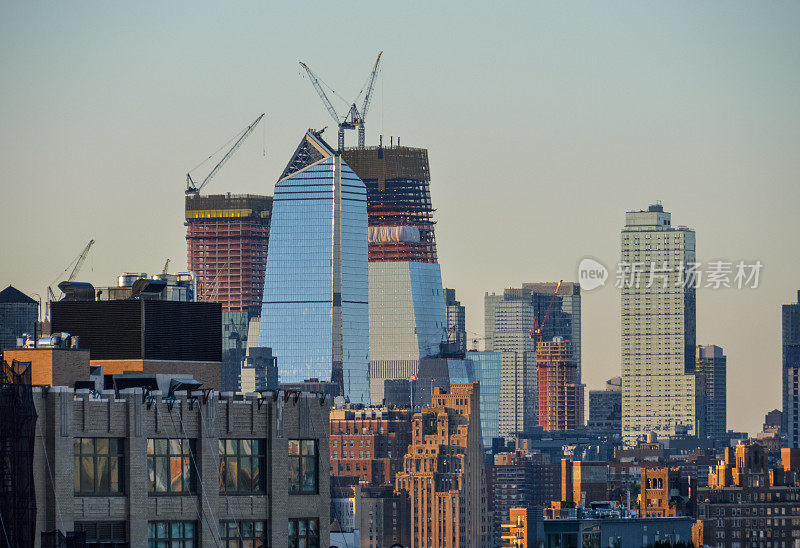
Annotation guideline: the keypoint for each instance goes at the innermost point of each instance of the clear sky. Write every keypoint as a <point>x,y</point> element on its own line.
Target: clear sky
<point>545,122</point>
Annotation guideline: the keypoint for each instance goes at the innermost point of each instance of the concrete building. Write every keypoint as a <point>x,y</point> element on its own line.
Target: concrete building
<point>605,407</point>
<point>746,503</point>
<point>315,315</point>
<point>560,392</point>
<point>663,493</point>
<point>486,367</point>
<point>52,366</point>
<point>595,529</point>
<point>658,326</point>
<point>456,322</point>
<point>711,373</point>
<point>18,314</point>
<point>226,238</point>
<point>443,472</point>
<point>790,349</point>
<point>407,314</point>
<point>190,470</point>
<point>565,315</point>
<point>583,482</point>
<point>524,529</point>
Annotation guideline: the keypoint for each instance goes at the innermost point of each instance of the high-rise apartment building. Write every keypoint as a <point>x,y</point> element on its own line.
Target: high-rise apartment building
<point>565,315</point>
<point>18,314</point>
<point>456,322</point>
<point>226,237</point>
<point>658,326</point>
<point>407,317</point>
<point>509,332</point>
<point>711,385</point>
<point>315,313</point>
<point>605,406</point>
<point>443,472</point>
<point>791,372</point>
<point>486,368</point>
<point>560,392</point>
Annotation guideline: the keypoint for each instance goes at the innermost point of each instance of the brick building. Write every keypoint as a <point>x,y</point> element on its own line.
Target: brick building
<point>748,504</point>
<point>443,472</point>
<point>369,443</point>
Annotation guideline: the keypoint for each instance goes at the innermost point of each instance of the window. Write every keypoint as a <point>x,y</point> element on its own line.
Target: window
<point>98,466</point>
<point>172,534</point>
<point>241,466</point>
<point>249,534</point>
<point>169,466</point>
<point>105,534</point>
<point>304,533</point>
<point>303,467</point>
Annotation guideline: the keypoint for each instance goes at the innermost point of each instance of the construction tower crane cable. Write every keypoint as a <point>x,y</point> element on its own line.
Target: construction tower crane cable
<point>78,264</point>
<point>194,189</point>
<point>354,119</point>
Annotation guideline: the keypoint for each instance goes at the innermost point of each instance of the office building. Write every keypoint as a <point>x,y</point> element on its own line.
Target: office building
<point>524,528</point>
<point>711,367</point>
<point>513,319</point>
<point>658,326</point>
<point>790,350</point>
<point>486,367</point>
<point>226,238</point>
<point>605,407</point>
<point>443,472</point>
<point>206,457</point>
<point>147,336</point>
<point>456,323</point>
<point>315,314</point>
<point>560,392</point>
<point>18,314</point>
<point>407,315</point>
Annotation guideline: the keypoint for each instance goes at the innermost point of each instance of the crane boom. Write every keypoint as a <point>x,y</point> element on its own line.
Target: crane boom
<point>321,93</point>
<point>191,188</point>
<point>367,100</point>
<point>81,259</point>
<point>536,330</point>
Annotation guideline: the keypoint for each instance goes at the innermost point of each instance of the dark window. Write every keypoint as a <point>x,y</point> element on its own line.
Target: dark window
<point>98,466</point>
<point>241,466</point>
<point>105,534</point>
<point>303,467</point>
<point>169,466</point>
<point>304,533</point>
<point>172,534</point>
<point>235,534</point>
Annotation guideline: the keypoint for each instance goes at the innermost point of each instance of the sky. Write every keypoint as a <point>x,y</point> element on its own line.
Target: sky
<point>544,122</point>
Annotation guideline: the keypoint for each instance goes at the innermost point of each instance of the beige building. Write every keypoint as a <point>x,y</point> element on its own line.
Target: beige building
<point>443,472</point>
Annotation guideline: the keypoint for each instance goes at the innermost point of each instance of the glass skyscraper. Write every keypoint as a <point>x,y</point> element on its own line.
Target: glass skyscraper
<point>315,314</point>
<point>486,367</point>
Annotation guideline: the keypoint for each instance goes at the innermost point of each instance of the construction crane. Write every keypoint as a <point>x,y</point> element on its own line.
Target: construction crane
<point>78,264</point>
<point>354,117</point>
<point>536,330</point>
<point>166,266</point>
<point>194,189</point>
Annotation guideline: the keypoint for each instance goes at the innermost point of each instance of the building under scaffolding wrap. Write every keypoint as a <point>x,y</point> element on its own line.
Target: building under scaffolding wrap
<point>226,237</point>
<point>17,436</point>
<point>407,318</point>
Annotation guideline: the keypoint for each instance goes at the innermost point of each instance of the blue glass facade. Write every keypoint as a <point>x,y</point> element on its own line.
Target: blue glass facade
<point>315,313</point>
<point>486,367</point>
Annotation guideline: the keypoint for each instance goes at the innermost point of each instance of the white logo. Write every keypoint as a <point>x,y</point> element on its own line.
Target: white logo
<point>591,274</point>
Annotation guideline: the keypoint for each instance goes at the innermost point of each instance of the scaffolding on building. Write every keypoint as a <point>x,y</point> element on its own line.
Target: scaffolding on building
<point>227,237</point>
<point>398,194</point>
<point>17,437</point>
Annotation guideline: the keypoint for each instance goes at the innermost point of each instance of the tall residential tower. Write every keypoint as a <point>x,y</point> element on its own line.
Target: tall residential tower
<point>658,326</point>
<point>791,372</point>
<point>315,313</point>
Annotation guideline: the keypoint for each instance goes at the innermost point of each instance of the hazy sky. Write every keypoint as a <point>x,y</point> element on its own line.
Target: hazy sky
<point>545,122</point>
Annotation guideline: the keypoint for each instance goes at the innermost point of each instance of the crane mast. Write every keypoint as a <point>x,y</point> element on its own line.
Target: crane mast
<point>192,188</point>
<point>536,330</point>
<point>354,119</point>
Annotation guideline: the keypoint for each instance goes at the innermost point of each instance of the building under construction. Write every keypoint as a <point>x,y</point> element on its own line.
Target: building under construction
<point>407,317</point>
<point>560,390</point>
<point>226,237</point>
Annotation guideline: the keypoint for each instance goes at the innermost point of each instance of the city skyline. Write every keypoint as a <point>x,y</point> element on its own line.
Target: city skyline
<point>96,157</point>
